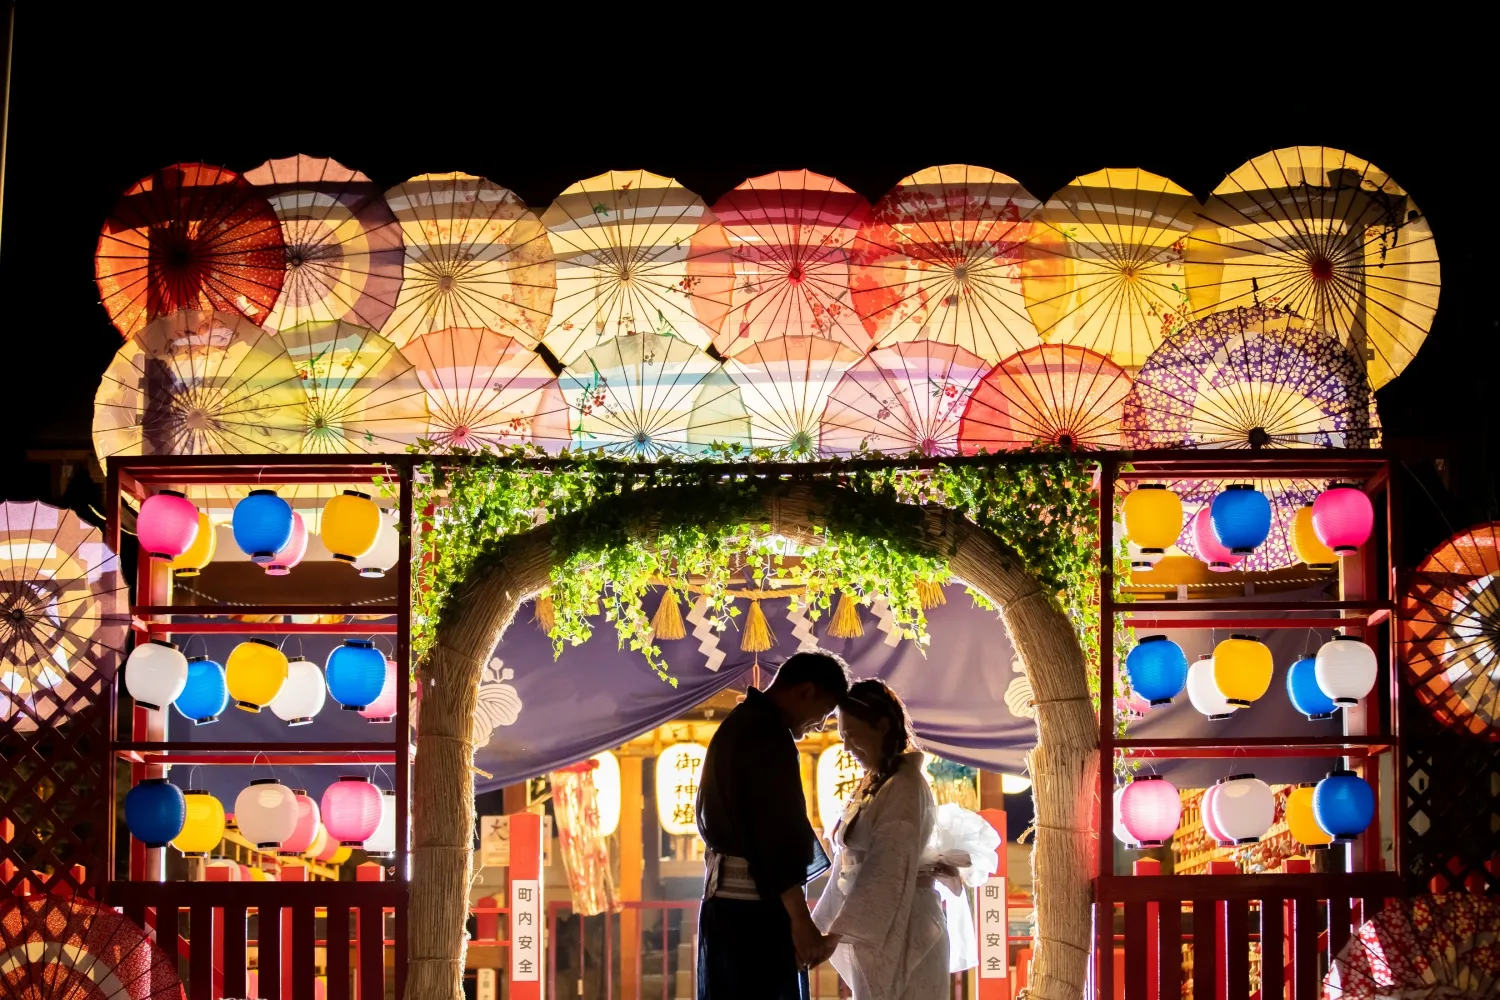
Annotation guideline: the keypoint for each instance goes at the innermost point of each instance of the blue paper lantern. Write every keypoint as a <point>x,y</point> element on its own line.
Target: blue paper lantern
<point>356,674</point>
<point>206,695</point>
<point>1157,668</point>
<point>1343,805</point>
<point>155,812</point>
<point>1305,694</point>
<point>1241,518</point>
<point>262,525</point>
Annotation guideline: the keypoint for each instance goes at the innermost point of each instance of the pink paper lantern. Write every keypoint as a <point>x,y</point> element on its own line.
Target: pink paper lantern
<point>1210,549</point>
<point>1150,809</point>
<point>383,709</point>
<point>351,810</point>
<point>292,552</point>
<point>167,525</point>
<point>308,817</point>
<point>1206,814</point>
<point>1343,518</point>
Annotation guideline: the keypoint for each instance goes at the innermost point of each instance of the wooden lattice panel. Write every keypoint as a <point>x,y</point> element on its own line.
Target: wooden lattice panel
<point>1452,830</point>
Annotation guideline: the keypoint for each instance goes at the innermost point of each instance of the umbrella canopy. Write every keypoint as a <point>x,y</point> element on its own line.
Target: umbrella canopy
<point>199,383</point>
<point>360,393</point>
<point>476,256</point>
<point>1329,237</point>
<point>190,236</point>
<point>785,384</point>
<point>69,948</point>
<point>901,399</point>
<point>1285,496</point>
<point>485,389</point>
<point>343,245</point>
<point>940,259</point>
<point>1054,395</point>
<point>1253,377</point>
<point>1105,268</point>
<point>790,235</point>
<point>1419,949</point>
<point>636,253</point>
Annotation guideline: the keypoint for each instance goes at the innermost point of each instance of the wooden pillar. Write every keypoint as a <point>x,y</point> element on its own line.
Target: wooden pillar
<point>994,934</point>
<point>1220,938</point>
<point>527,951</point>
<point>632,857</point>
<point>1151,866</point>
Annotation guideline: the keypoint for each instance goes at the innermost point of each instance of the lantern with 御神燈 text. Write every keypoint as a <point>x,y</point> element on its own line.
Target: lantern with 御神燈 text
<point>678,771</point>
<point>837,773</point>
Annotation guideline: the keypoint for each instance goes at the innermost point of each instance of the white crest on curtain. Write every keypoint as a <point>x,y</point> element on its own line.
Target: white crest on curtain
<point>498,705</point>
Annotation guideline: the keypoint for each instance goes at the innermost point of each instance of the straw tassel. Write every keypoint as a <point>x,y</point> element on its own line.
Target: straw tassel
<point>846,623</point>
<point>757,636</point>
<point>931,594</point>
<point>667,622</point>
<point>544,612</point>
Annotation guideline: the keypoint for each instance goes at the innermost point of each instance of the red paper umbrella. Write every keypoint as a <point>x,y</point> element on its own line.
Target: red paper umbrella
<point>790,234</point>
<point>1055,394</point>
<point>190,236</point>
<point>55,948</point>
<point>1419,949</point>
<point>902,399</point>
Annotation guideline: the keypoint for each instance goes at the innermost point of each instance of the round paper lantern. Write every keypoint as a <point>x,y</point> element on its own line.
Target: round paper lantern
<point>266,812</point>
<point>1343,518</point>
<point>203,824</point>
<point>205,694</point>
<point>1301,820</point>
<point>1244,808</point>
<point>255,673</point>
<point>301,698</point>
<point>677,772</point>
<point>309,819</point>
<point>292,552</point>
<point>356,672</point>
<point>1157,668</point>
<point>335,854</point>
<point>837,772</point>
<point>383,554</point>
<point>1142,561</point>
<point>1206,815</point>
<point>1203,691</point>
<point>383,708</point>
<point>201,552</point>
<point>1118,826</point>
<point>1216,555</point>
<point>1242,669</point>
<point>1304,692</point>
<point>320,842</point>
<point>607,792</point>
<point>1153,520</point>
<point>1306,544</point>
<point>351,810</point>
<point>1241,518</point>
<point>155,812</point>
<point>382,843</point>
<point>1150,809</point>
<point>167,525</point>
<point>155,674</point>
<point>262,525</point>
<point>1344,805</point>
<point>1345,668</point>
<point>237,871</point>
<point>1014,784</point>
<point>351,523</point>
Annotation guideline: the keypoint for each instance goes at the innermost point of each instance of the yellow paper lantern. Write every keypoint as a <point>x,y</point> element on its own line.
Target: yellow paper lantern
<point>319,843</point>
<point>255,673</point>
<point>1306,544</point>
<point>678,770</point>
<point>351,524</point>
<point>201,552</point>
<point>1242,669</point>
<point>838,772</point>
<point>606,792</point>
<point>1153,520</point>
<point>256,875</point>
<point>340,856</point>
<point>203,828</point>
<point>1301,821</point>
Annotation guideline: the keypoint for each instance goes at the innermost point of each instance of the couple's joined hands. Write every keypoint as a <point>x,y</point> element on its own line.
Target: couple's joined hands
<point>813,948</point>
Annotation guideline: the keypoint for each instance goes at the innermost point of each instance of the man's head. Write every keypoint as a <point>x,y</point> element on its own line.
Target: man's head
<point>808,688</point>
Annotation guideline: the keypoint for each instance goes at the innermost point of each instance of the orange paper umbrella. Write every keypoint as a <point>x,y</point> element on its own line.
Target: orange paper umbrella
<point>902,399</point>
<point>190,236</point>
<point>784,385</point>
<point>487,390</point>
<point>343,246</point>
<point>790,233</point>
<point>1054,395</point>
<point>362,395</point>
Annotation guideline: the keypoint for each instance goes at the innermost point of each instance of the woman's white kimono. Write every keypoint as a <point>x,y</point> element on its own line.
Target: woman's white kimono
<point>894,939</point>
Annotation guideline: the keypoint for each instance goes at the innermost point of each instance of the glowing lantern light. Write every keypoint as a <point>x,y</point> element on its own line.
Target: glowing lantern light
<point>1153,520</point>
<point>837,773</point>
<point>292,552</point>
<point>382,843</point>
<point>383,708</point>
<point>1218,557</point>
<point>256,875</point>
<point>1118,826</point>
<point>677,772</point>
<point>309,822</point>
<point>320,843</point>
<point>1014,784</point>
<point>205,695</point>
<point>234,868</point>
<point>1241,518</point>
<point>351,523</point>
<point>167,525</point>
<point>606,791</point>
<point>1344,805</point>
<point>256,673</point>
<point>201,552</point>
<point>266,812</point>
<point>1343,518</point>
<point>1306,544</point>
<point>1302,821</point>
<point>1242,669</point>
<point>1345,669</point>
<point>1157,668</point>
<point>1203,691</point>
<point>1244,808</point>
<point>203,824</point>
<point>155,674</point>
<point>1206,815</point>
<point>155,812</point>
<point>1304,692</point>
<point>356,673</point>
<point>1142,561</point>
<point>382,556</point>
<point>262,525</point>
<point>1150,809</point>
<point>302,697</point>
<point>351,810</point>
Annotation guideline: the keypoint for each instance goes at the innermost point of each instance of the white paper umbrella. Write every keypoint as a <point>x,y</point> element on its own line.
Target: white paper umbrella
<point>902,399</point>
<point>362,395</point>
<point>785,384</point>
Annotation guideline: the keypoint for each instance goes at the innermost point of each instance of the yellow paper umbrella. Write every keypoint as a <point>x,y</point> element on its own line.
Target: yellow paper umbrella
<point>1105,269</point>
<point>1329,237</point>
<point>785,384</point>
<point>361,393</point>
<point>476,256</point>
<point>636,253</point>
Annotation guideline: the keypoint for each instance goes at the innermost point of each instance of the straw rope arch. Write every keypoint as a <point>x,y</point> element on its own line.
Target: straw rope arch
<point>1063,765</point>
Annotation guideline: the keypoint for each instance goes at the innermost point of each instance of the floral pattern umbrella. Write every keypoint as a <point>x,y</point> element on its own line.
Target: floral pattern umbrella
<point>476,256</point>
<point>790,235</point>
<point>75,949</point>
<point>361,394</point>
<point>785,384</point>
<point>1285,495</point>
<point>636,253</point>
<point>1054,395</point>
<point>1420,949</point>
<point>343,244</point>
<point>901,399</point>
<point>1329,237</point>
<point>190,236</point>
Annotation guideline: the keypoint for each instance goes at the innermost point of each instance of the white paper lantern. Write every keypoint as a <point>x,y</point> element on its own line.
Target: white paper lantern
<point>1121,834</point>
<point>382,557</point>
<point>678,771</point>
<point>155,674</point>
<point>302,696</point>
<point>1243,808</point>
<point>1345,669</point>
<point>607,792</point>
<point>1014,784</point>
<point>266,812</point>
<point>837,773</point>
<point>1203,691</point>
<point>382,843</point>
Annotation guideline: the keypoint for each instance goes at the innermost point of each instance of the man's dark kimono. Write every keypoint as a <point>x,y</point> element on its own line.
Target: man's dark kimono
<point>751,814</point>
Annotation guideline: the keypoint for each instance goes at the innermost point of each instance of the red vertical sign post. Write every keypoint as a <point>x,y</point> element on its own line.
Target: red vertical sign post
<point>526,951</point>
<point>992,923</point>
